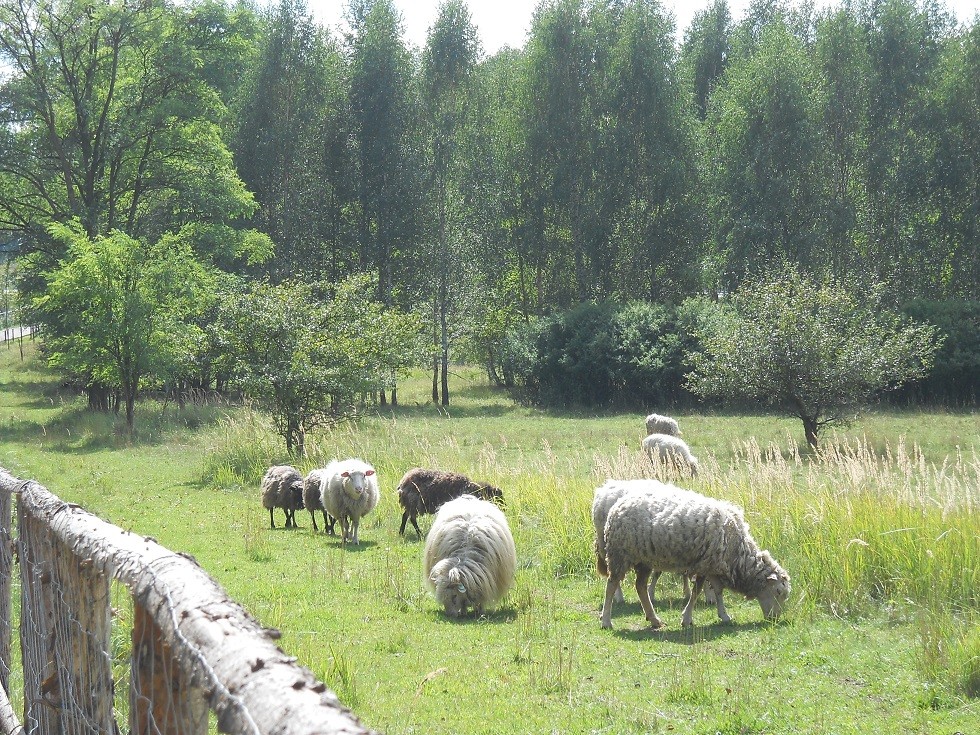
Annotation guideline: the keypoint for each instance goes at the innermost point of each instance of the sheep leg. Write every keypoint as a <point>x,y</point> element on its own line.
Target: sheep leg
<point>416,524</point>
<point>687,588</point>
<point>344,529</point>
<point>643,592</point>
<point>401,531</point>
<point>687,619</point>
<point>329,527</point>
<point>654,577</point>
<point>355,522</point>
<point>612,584</point>
<point>313,518</point>
<point>618,597</point>
<point>715,587</point>
<point>272,520</point>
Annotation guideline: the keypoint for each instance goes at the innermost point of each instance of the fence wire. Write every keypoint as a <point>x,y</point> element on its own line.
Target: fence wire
<point>119,635</point>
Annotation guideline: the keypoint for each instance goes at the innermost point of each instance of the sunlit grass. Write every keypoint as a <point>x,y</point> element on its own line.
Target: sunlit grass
<point>879,531</point>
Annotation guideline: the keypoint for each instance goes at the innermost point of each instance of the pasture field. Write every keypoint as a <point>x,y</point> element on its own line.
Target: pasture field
<point>880,533</point>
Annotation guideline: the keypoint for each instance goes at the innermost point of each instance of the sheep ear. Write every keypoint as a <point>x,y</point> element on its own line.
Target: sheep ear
<point>461,588</point>
<point>345,474</point>
<point>369,473</point>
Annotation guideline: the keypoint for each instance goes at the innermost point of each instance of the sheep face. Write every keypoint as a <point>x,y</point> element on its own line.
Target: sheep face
<point>773,596</point>
<point>450,589</point>
<point>354,482</point>
<point>296,496</point>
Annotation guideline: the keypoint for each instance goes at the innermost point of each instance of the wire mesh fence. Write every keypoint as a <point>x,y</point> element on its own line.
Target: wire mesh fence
<point>118,634</point>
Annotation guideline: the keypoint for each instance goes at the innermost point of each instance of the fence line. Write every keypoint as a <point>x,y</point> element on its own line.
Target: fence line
<point>193,650</point>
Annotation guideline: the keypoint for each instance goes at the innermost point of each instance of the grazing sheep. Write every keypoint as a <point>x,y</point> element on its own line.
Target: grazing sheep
<point>603,499</point>
<point>424,491</point>
<point>469,558</point>
<point>313,501</point>
<point>657,424</point>
<point>671,449</point>
<point>688,533</point>
<point>349,490</point>
<point>282,487</point>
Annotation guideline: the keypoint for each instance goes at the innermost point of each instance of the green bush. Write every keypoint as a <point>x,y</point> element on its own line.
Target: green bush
<point>953,378</point>
<point>606,354</point>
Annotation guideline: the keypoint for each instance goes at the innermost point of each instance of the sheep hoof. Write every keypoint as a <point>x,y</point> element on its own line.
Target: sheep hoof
<point>607,624</point>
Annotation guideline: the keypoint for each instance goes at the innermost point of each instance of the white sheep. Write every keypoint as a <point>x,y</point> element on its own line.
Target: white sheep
<point>670,449</point>
<point>348,491</point>
<point>657,424</point>
<point>688,533</point>
<point>603,500</point>
<point>469,558</point>
<point>282,487</point>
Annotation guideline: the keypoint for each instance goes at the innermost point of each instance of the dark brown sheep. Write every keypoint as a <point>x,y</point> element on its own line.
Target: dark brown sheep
<point>282,487</point>
<point>424,491</point>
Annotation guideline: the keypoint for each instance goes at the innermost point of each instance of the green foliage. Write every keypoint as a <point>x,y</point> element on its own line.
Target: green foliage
<point>117,310</point>
<point>603,354</point>
<point>953,377</point>
<point>818,351</point>
<point>311,353</point>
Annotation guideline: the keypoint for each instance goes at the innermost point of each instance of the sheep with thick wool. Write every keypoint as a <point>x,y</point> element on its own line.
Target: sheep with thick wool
<point>657,424</point>
<point>469,559</point>
<point>688,533</point>
<point>314,502</point>
<point>670,449</point>
<point>349,491</point>
<point>422,491</point>
<point>603,500</point>
<point>282,487</point>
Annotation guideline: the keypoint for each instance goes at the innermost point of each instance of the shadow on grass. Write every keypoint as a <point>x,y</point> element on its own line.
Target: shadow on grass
<point>690,636</point>
<point>502,616</point>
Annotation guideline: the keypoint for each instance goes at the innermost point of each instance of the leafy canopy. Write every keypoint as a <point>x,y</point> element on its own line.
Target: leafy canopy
<point>817,350</point>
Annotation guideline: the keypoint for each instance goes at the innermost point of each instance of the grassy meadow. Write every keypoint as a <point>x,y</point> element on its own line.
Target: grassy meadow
<point>880,533</point>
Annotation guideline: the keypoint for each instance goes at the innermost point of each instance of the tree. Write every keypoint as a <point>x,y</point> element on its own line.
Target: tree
<point>309,354</point>
<point>447,68</point>
<point>119,308</point>
<point>815,350</point>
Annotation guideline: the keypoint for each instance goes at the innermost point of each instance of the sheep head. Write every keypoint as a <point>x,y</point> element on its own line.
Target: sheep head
<point>355,483</point>
<point>450,588</point>
<point>774,594</point>
<point>296,495</point>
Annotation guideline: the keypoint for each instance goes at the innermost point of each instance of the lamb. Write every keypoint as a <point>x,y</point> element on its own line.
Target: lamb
<point>657,424</point>
<point>282,487</point>
<point>670,449</point>
<point>603,499</point>
<point>313,501</point>
<point>688,533</point>
<point>348,491</point>
<point>469,558</point>
<point>422,491</point>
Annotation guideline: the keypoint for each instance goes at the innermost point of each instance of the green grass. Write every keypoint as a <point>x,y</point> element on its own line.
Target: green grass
<point>879,532</point>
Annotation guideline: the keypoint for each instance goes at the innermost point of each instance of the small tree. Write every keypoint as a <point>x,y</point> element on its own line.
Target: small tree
<point>116,309</point>
<point>309,354</point>
<point>815,350</point>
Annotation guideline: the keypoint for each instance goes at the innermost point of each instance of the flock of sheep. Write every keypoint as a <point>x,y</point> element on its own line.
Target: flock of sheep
<point>470,559</point>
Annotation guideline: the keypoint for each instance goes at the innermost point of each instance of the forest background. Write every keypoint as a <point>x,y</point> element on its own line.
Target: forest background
<point>186,167</point>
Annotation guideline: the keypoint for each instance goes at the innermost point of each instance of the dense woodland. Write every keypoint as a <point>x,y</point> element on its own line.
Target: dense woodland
<point>180,162</point>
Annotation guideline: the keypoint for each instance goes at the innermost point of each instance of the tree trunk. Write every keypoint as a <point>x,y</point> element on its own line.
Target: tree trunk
<point>445,375</point>
<point>435,379</point>
<point>810,429</point>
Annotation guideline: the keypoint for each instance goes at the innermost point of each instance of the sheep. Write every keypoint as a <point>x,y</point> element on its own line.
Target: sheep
<point>422,491</point>
<point>670,449</point>
<point>603,499</point>
<point>469,558</point>
<point>657,424</point>
<point>282,487</point>
<point>313,501</point>
<point>688,533</point>
<point>349,490</point>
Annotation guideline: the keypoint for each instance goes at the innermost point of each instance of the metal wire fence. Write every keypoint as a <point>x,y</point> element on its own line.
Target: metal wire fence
<point>118,634</point>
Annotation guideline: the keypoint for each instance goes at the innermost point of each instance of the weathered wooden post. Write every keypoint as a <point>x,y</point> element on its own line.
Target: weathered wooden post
<point>6,575</point>
<point>162,699</point>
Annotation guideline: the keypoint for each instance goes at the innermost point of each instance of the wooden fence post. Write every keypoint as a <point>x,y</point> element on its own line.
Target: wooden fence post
<point>6,574</point>
<point>162,700</point>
